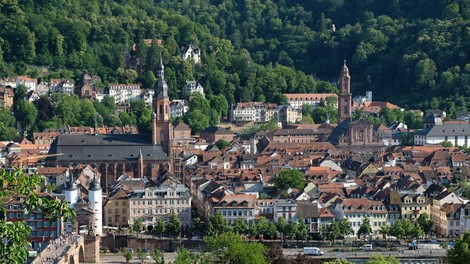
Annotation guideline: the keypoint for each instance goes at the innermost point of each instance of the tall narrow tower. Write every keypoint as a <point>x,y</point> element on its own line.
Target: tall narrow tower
<point>344,98</point>
<point>95,197</point>
<point>71,190</point>
<point>162,129</point>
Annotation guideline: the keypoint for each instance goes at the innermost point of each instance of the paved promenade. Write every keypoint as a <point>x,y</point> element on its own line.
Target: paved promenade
<point>56,249</point>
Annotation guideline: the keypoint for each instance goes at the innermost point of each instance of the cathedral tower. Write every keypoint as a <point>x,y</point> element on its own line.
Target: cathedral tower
<point>344,98</point>
<point>162,129</point>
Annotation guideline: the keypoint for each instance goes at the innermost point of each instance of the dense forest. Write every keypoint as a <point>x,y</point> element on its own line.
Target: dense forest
<point>414,53</point>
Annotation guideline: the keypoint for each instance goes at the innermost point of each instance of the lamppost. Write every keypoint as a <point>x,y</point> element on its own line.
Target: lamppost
<point>116,217</point>
<point>114,240</point>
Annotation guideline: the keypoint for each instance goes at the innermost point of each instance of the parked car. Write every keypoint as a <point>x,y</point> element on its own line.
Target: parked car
<point>413,247</point>
<point>367,247</point>
<point>130,250</point>
<point>314,251</point>
<point>145,250</point>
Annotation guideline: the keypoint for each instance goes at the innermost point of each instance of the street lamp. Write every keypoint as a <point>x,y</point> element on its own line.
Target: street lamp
<point>114,240</point>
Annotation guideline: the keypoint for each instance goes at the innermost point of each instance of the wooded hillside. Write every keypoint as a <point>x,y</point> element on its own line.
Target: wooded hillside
<point>414,53</point>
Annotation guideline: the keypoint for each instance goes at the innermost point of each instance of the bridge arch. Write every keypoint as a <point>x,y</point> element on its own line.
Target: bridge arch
<point>81,255</point>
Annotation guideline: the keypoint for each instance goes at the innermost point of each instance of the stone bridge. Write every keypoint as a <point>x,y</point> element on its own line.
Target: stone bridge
<point>72,250</point>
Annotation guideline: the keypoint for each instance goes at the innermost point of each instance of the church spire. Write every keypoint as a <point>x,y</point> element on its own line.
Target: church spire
<point>344,97</point>
<point>161,88</point>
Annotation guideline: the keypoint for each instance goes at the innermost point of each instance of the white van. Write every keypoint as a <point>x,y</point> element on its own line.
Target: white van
<point>367,247</point>
<point>314,251</point>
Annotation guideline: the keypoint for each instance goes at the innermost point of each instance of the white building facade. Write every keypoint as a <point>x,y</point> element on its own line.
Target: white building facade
<point>297,100</point>
<point>125,93</point>
<point>457,134</point>
<point>154,203</point>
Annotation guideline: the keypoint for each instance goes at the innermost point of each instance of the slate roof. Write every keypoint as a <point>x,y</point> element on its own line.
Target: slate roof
<point>117,147</point>
<point>446,130</point>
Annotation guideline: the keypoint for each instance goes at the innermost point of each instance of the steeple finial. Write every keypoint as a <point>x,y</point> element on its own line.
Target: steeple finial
<point>344,62</point>
<point>160,63</point>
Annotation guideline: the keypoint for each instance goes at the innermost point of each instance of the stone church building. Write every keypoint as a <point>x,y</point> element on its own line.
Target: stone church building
<point>355,134</point>
<point>136,155</point>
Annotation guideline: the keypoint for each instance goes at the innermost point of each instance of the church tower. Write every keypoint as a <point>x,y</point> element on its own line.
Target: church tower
<point>344,98</point>
<point>162,129</point>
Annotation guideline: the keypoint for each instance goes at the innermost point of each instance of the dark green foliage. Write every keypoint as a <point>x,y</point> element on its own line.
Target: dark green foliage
<point>460,253</point>
<point>16,184</point>
<point>407,52</point>
<point>424,221</point>
<point>174,225</point>
<point>197,121</point>
<point>222,144</point>
<point>290,178</point>
<point>230,248</point>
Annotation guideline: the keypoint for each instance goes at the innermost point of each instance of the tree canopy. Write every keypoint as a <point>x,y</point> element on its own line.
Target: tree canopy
<point>18,185</point>
<point>460,253</point>
<point>290,178</point>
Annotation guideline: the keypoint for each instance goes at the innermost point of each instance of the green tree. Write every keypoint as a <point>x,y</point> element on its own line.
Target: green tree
<point>240,226</point>
<point>307,120</point>
<point>198,102</point>
<point>148,79</point>
<point>220,104</point>
<point>365,229</point>
<point>385,230</point>
<point>158,257</point>
<point>402,228</point>
<point>281,226</point>
<point>331,231</point>
<point>127,256</point>
<point>301,230</point>
<point>197,121</point>
<point>141,255</point>
<point>217,224</point>
<point>234,250</point>
<point>160,227</point>
<point>460,253</point>
<point>127,119</point>
<point>16,184</point>
<point>424,222</point>
<point>446,144</point>
<point>290,178</point>
<point>378,259</point>
<point>307,109</point>
<point>142,114</point>
<point>263,227</point>
<point>174,225</point>
<point>183,256</point>
<point>345,227</point>
<point>197,226</point>
<point>222,144</point>
<point>137,227</point>
<point>26,115</point>
<point>214,117</point>
<point>338,261</point>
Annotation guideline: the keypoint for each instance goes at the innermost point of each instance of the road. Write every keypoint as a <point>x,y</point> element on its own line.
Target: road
<point>117,258</point>
<point>425,252</point>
